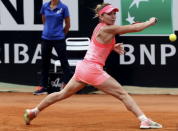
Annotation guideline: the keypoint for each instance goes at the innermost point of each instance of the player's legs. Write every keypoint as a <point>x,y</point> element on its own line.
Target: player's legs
<point>112,87</point>
<point>71,88</point>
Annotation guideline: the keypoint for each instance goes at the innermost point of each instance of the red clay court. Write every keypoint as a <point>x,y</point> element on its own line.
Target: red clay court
<point>87,113</point>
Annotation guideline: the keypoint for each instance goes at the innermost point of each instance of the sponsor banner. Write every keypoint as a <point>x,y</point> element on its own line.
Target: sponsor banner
<point>24,53</point>
<point>149,61</point>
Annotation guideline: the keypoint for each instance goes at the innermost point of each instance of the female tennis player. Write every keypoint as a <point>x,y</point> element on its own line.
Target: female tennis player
<point>90,69</point>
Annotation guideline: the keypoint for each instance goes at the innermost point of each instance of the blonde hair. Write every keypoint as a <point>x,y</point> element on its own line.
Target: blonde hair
<point>99,7</point>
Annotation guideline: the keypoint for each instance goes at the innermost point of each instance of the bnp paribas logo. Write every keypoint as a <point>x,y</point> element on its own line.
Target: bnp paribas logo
<point>142,10</point>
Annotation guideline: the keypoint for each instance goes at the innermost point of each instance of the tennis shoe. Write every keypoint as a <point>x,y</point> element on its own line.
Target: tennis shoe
<point>40,91</point>
<point>149,124</point>
<point>28,116</point>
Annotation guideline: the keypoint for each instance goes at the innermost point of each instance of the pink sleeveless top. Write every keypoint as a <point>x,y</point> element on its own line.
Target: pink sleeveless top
<point>98,52</point>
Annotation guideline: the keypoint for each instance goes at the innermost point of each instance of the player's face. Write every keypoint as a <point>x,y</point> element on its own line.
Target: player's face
<point>109,18</point>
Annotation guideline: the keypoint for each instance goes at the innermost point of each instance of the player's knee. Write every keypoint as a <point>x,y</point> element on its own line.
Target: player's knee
<point>65,94</point>
<point>122,95</point>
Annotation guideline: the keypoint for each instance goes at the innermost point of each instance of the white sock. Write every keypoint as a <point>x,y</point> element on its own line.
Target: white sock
<point>142,118</point>
<point>36,110</point>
